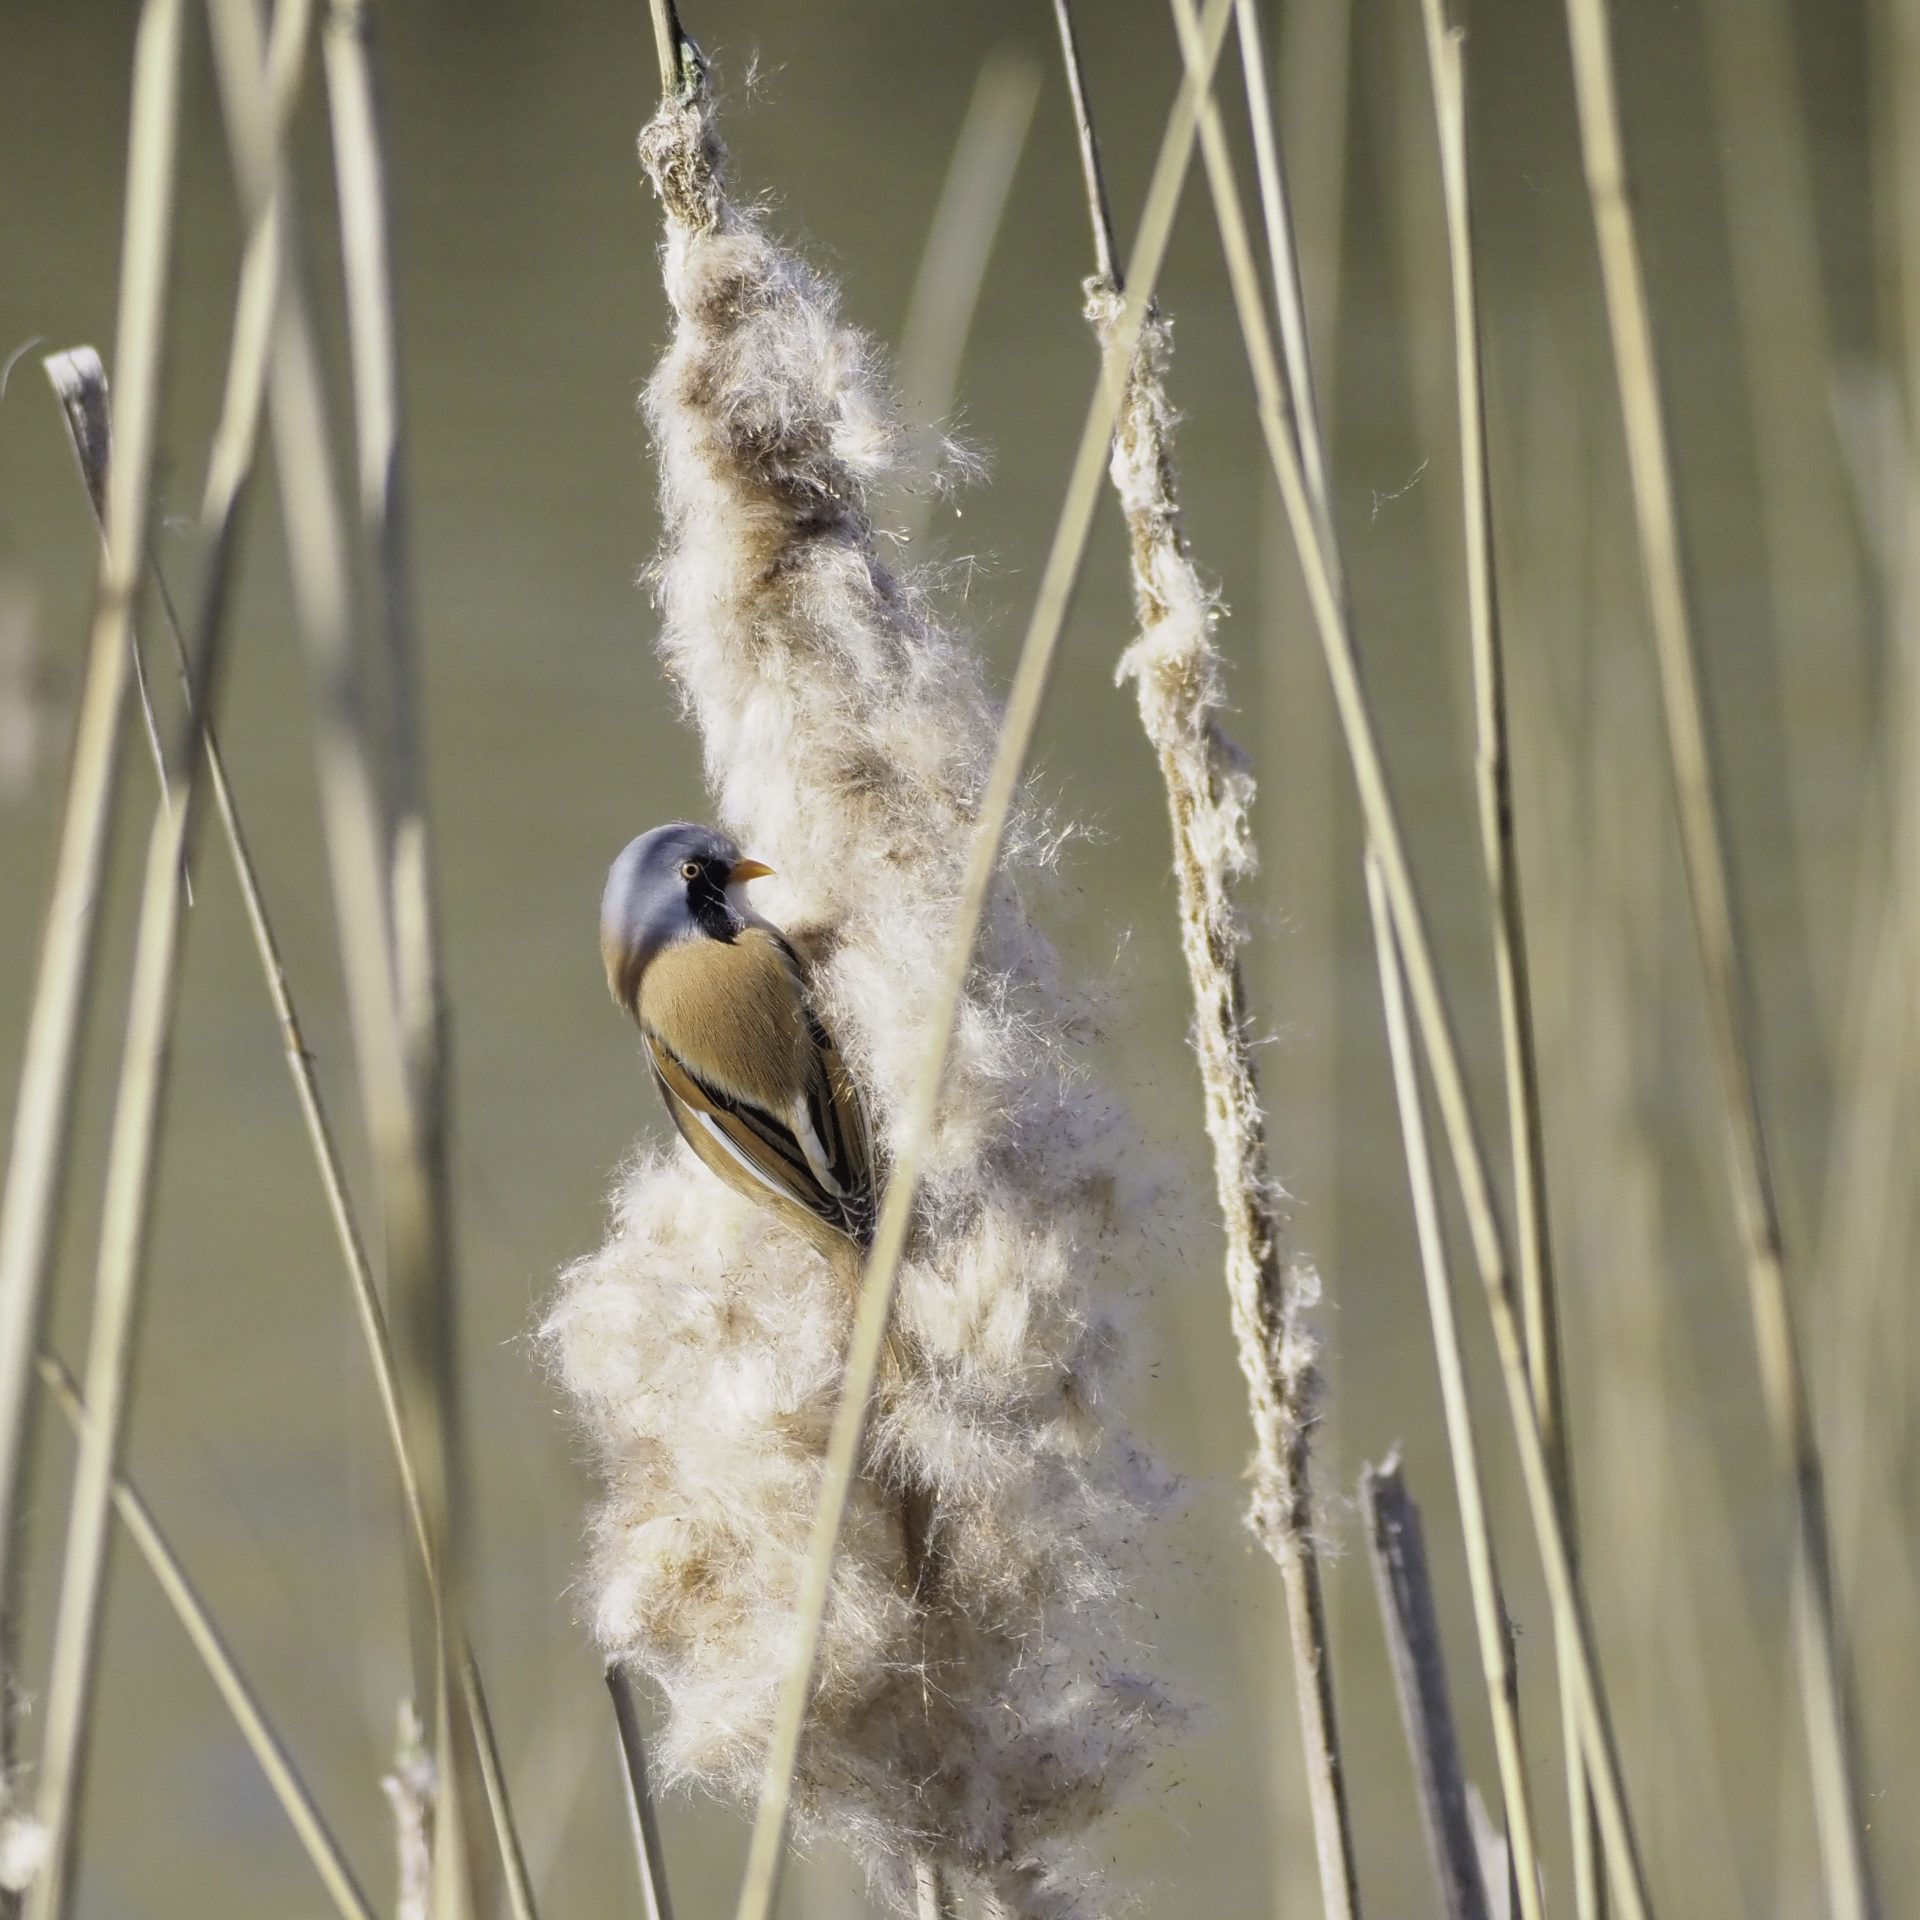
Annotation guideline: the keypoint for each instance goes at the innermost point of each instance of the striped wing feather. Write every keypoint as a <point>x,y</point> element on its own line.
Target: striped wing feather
<point>814,1158</point>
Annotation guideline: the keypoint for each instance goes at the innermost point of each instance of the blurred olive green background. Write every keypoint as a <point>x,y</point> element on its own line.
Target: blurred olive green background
<point>531,314</point>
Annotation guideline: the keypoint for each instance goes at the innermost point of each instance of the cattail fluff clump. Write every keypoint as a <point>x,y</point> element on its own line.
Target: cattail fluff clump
<point>1176,670</point>
<point>976,1707</point>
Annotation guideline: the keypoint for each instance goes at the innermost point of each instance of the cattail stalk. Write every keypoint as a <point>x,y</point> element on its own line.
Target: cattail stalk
<point>1825,1686</point>
<point>1177,672</point>
<point>1494,790</point>
<point>1314,537</point>
<point>996,805</point>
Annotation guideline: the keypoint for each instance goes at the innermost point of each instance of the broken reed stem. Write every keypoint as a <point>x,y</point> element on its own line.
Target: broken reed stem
<point>92,453</point>
<point>1397,1549</point>
<point>1016,735</point>
<point>1483,1571</point>
<point>1493,769</point>
<point>1327,595</point>
<point>1177,669</point>
<point>63,981</point>
<point>276,1763</point>
<point>1093,174</point>
<point>1825,1687</point>
<point>649,1854</point>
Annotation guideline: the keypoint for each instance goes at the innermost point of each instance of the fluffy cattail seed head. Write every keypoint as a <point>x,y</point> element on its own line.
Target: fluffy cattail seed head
<point>977,1701</point>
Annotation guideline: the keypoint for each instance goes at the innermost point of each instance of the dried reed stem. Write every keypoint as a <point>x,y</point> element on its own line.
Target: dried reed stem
<point>419,1227</point>
<point>1494,787</point>
<point>1824,1682</point>
<point>1289,296</point>
<point>63,980</point>
<point>1483,1572</point>
<point>1327,595</point>
<point>275,1762</point>
<point>1398,1551</point>
<point>1177,672</point>
<point>648,1851</point>
<point>126,1206</point>
<point>995,806</point>
<point>91,449</point>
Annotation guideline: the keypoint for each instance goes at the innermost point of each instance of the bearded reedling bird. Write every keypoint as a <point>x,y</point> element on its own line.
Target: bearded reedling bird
<point>751,1078</point>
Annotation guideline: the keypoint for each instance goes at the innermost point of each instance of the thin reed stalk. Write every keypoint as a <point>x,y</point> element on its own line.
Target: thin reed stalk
<point>356,836</point>
<point>1493,768</point>
<point>1311,73</point>
<point>132,1156</point>
<point>996,803</point>
<point>268,1749</point>
<point>63,981</point>
<point>1327,593</point>
<point>1283,261</point>
<point>91,449</point>
<point>1824,1682</point>
<point>648,1852</point>
<point>1397,1548</point>
<point>1483,1572</point>
<point>415,1185</point>
<point>1177,672</point>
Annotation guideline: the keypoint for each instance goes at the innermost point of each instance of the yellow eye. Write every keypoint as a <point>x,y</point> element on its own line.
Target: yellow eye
<point>689,869</point>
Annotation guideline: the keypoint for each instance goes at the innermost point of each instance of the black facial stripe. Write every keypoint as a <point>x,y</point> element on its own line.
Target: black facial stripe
<point>707,902</point>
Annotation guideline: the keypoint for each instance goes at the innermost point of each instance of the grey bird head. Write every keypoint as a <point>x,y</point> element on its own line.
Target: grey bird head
<point>670,884</point>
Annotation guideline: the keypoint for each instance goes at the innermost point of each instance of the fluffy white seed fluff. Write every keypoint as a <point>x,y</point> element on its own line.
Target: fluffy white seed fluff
<point>980,1721</point>
<point>1176,670</point>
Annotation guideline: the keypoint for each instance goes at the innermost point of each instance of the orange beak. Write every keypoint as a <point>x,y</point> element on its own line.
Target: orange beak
<point>749,870</point>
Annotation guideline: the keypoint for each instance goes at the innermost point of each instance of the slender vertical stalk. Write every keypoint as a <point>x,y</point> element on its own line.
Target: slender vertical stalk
<point>1397,1548</point>
<point>648,1851</point>
<point>420,1256</point>
<point>63,981</point>
<point>996,803</point>
<point>1177,669</point>
<point>1494,789</point>
<point>1483,1573</point>
<point>1824,1682</point>
<point>1327,594</point>
<point>1283,261</point>
<point>127,1206</point>
<point>1311,75</point>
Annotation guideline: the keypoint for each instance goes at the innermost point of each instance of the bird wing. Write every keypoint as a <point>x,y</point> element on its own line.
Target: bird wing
<point>812,1157</point>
